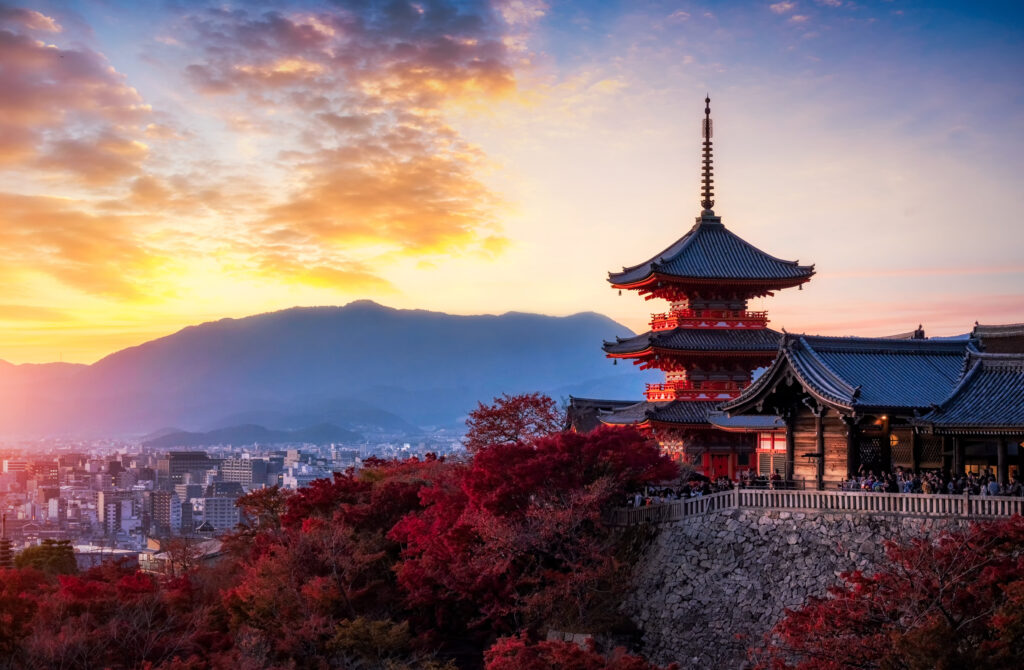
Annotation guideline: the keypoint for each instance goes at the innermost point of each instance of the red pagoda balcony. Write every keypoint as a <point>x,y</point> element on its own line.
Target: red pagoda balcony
<point>690,390</point>
<point>709,318</point>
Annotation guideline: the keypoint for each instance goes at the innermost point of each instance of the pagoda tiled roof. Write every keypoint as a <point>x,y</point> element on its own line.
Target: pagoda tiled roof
<point>710,251</point>
<point>699,339</point>
<point>689,412</point>
<point>989,398</point>
<point>863,374</point>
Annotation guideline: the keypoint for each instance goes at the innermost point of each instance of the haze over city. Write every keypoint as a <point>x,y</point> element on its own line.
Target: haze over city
<point>171,163</point>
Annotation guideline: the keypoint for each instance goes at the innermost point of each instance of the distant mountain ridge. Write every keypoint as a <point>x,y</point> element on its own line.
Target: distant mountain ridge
<point>363,367</point>
<point>250,434</point>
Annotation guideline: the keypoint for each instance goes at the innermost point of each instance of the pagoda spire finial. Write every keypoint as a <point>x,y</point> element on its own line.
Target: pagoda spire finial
<point>707,190</point>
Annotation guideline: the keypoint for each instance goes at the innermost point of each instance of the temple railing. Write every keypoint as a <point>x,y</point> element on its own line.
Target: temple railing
<point>709,318</point>
<point>694,390</point>
<point>910,504</point>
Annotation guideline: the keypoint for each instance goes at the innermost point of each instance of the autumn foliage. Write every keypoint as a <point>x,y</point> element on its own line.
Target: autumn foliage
<point>415,564</point>
<point>951,601</point>
<point>517,653</point>
<point>512,419</point>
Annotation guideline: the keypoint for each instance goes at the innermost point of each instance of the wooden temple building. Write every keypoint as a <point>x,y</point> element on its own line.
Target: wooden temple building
<point>707,341</point>
<point>852,404</point>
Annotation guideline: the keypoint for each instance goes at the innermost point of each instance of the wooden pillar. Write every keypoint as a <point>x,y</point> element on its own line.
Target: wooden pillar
<point>790,443</point>
<point>947,457</point>
<point>852,447</point>
<point>915,450</point>
<point>886,449</point>
<point>1020,458</point>
<point>819,446</point>
<point>958,456</point>
<point>1002,466</point>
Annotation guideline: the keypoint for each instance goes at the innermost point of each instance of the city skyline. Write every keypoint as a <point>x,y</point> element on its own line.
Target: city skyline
<point>173,163</point>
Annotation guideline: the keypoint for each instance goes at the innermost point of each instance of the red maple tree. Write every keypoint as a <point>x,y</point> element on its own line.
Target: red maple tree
<point>517,537</point>
<point>516,653</point>
<point>512,419</point>
<point>952,601</point>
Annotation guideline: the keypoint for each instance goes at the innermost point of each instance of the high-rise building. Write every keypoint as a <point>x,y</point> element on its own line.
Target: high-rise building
<point>249,472</point>
<point>6,552</point>
<point>105,498</point>
<point>171,469</point>
<point>163,505</point>
<point>221,513</point>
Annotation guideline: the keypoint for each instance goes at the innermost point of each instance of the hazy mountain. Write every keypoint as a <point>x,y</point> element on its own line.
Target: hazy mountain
<point>362,366</point>
<point>249,434</point>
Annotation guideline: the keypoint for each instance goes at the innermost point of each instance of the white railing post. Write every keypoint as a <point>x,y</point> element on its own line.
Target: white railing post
<point>965,509</point>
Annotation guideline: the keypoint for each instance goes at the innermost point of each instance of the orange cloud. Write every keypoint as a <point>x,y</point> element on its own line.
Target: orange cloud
<point>96,161</point>
<point>94,254</point>
<point>9,312</point>
<point>363,92</point>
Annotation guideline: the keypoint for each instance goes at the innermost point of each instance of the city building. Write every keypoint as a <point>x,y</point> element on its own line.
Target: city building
<point>221,513</point>
<point>249,472</point>
<point>172,468</point>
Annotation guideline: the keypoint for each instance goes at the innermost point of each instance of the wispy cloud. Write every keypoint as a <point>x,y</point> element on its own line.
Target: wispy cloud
<point>782,7</point>
<point>364,91</point>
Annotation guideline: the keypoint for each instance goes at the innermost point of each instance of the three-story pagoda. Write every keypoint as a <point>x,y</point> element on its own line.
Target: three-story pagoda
<point>707,342</point>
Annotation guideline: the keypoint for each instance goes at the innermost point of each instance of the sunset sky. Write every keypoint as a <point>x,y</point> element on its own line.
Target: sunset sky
<point>167,163</point>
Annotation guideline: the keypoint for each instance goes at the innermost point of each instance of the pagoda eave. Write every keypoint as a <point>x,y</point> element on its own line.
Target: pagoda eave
<point>657,282</point>
<point>690,353</point>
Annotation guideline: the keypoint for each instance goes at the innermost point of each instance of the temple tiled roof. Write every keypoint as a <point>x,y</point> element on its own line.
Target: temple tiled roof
<point>1001,339</point>
<point>855,373</point>
<point>989,398</point>
<point>746,422</point>
<point>693,412</point>
<point>699,339</point>
<point>582,413</point>
<point>710,251</point>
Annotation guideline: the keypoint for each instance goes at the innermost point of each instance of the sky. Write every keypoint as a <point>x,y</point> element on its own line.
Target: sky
<point>168,163</point>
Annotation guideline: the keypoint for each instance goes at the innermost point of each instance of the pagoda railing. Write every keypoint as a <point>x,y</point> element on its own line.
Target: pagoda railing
<point>694,390</point>
<point>909,504</point>
<point>709,318</point>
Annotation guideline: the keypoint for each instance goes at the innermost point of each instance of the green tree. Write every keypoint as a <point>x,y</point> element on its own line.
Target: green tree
<point>53,557</point>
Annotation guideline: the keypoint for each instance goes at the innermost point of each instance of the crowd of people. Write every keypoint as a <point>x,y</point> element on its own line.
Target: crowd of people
<point>901,481</point>
<point>697,486</point>
<point>933,481</point>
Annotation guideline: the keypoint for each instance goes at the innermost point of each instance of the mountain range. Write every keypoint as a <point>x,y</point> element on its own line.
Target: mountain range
<point>362,367</point>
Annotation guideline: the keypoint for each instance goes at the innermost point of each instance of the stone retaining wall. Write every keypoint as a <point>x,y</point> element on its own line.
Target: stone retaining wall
<point>710,586</point>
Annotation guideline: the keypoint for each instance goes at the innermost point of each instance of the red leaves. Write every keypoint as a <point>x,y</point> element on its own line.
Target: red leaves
<point>392,562</point>
<point>517,536</point>
<point>955,600</point>
<point>516,653</point>
<point>512,419</point>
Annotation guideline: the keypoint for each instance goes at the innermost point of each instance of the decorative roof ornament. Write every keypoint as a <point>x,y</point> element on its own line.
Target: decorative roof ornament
<point>707,188</point>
